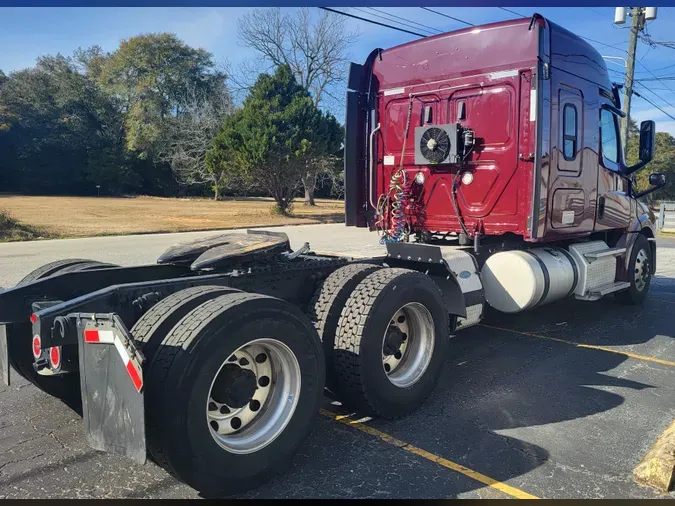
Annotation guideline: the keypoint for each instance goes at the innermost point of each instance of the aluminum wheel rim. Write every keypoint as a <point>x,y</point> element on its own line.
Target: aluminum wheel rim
<point>267,370</point>
<point>642,270</point>
<point>408,345</point>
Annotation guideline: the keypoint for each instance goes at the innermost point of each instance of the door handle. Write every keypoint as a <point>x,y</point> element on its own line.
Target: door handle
<point>601,207</point>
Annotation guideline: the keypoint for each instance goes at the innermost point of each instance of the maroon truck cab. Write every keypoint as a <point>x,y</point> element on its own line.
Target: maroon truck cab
<point>506,128</point>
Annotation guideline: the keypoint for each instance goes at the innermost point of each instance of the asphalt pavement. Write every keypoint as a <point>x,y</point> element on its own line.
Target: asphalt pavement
<point>562,401</point>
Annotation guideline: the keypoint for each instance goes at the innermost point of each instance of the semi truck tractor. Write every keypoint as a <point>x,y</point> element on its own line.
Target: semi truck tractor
<point>488,160</point>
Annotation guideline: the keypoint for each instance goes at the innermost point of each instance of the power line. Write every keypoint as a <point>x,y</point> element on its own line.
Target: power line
<point>382,17</point>
<point>371,21</point>
<point>513,12</point>
<point>595,10</point>
<point>587,38</point>
<point>659,79</point>
<point>430,28</point>
<point>649,101</point>
<point>656,95</point>
<point>603,44</point>
<point>446,16</point>
<point>664,68</point>
<point>662,78</point>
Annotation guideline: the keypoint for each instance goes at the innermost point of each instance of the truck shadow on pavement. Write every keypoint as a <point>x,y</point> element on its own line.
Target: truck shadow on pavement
<point>506,404</point>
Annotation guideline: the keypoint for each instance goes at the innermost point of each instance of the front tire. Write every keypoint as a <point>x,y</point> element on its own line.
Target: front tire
<point>391,343</point>
<point>218,364</point>
<point>639,272</point>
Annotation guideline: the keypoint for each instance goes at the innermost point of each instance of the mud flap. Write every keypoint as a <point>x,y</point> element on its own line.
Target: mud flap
<point>111,377</point>
<point>4,355</point>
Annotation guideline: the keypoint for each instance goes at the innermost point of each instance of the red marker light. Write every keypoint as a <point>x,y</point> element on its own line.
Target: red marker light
<point>37,346</point>
<point>33,318</point>
<point>55,356</point>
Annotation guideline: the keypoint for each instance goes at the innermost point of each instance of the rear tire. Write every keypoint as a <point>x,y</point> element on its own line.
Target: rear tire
<point>57,266</point>
<point>66,386</point>
<point>157,322</point>
<point>639,273</point>
<point>327,305</point>
<point>182,376</point>
<point>383,370</point>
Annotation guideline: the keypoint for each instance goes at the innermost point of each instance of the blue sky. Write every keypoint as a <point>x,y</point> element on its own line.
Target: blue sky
<point>26,33</point>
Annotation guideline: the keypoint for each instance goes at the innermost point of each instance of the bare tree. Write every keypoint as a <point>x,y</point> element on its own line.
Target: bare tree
<point>315,47</point>
<point>190,135</point>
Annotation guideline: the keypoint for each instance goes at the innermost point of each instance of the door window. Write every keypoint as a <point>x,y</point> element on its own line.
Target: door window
<point>569,132</point>
<point>609,133</point>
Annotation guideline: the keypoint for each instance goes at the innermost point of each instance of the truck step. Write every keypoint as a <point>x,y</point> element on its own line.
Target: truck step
<point>610,288</point>
<point>602,253</point>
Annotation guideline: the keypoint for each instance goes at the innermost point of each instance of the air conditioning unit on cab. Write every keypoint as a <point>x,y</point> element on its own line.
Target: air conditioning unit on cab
<point>438,144</point>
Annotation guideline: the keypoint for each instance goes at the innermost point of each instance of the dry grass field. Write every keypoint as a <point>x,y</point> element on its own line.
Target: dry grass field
<point>92,216</point>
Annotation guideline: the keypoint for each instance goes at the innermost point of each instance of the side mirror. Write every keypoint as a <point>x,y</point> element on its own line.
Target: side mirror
<point>657,181</point>
<point>646,151</point>
<point>647,138</point>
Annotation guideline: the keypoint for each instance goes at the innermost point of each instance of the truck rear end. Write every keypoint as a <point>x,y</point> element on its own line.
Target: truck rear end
<point>451,118</point>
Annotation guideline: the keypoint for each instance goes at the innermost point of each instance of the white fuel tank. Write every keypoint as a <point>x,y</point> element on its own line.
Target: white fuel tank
<point>518,280</point>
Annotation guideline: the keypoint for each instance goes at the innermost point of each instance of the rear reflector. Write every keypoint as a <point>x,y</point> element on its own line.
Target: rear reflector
<point>135,377</point>
<point>133,368</point>
<point>134,374</point>
<point>37,346</point>
<point>99,336</point>
<point>55,357</point>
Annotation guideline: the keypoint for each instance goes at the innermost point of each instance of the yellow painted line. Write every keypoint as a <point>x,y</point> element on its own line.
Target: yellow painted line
<point>502,487</point>
<point>587,346</point>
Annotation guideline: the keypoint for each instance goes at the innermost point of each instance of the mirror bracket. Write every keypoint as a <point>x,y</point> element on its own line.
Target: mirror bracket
<point>650,190</point>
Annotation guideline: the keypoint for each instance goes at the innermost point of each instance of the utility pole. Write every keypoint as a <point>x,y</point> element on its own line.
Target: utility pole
<point>636,26</point>
<point>639,15</point>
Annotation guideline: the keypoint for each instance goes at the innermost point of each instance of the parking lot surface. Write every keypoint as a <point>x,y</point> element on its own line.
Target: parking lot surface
<point>562,401</point>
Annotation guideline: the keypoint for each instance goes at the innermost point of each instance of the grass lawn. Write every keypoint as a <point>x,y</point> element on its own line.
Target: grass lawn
<point>13,230</point>
<point>32,217</point>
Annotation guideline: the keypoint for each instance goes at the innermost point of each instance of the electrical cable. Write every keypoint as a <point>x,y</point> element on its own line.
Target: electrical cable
<point>386,19</point>
<point>455,205</point>
<point>649,101</point>
<point>658,79</point>
<point>371,21</point>
<point>430,28</point>
<point>513,12</point>
<point>446,16</point>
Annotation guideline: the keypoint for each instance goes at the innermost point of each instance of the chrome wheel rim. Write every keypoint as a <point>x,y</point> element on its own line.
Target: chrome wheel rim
<point>253,396</point>
<point>642,270</point>
<point>408,345</point>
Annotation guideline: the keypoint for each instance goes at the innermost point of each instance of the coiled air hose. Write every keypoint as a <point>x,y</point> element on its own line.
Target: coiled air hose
<point>391,207</point>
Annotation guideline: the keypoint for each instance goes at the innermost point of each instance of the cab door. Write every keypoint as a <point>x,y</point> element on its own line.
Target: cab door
<point>614,204</point>
<point>573,179</point>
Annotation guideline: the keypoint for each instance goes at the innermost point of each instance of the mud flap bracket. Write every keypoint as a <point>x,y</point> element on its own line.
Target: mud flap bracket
<point>111,378</point>
<point>4,355</point>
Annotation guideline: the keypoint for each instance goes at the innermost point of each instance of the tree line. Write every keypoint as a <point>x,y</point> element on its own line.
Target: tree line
<point>663,162</point>
<point>157,116</point>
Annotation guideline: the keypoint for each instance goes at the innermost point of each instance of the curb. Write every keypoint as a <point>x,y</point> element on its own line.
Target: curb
<point>657,468</point>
